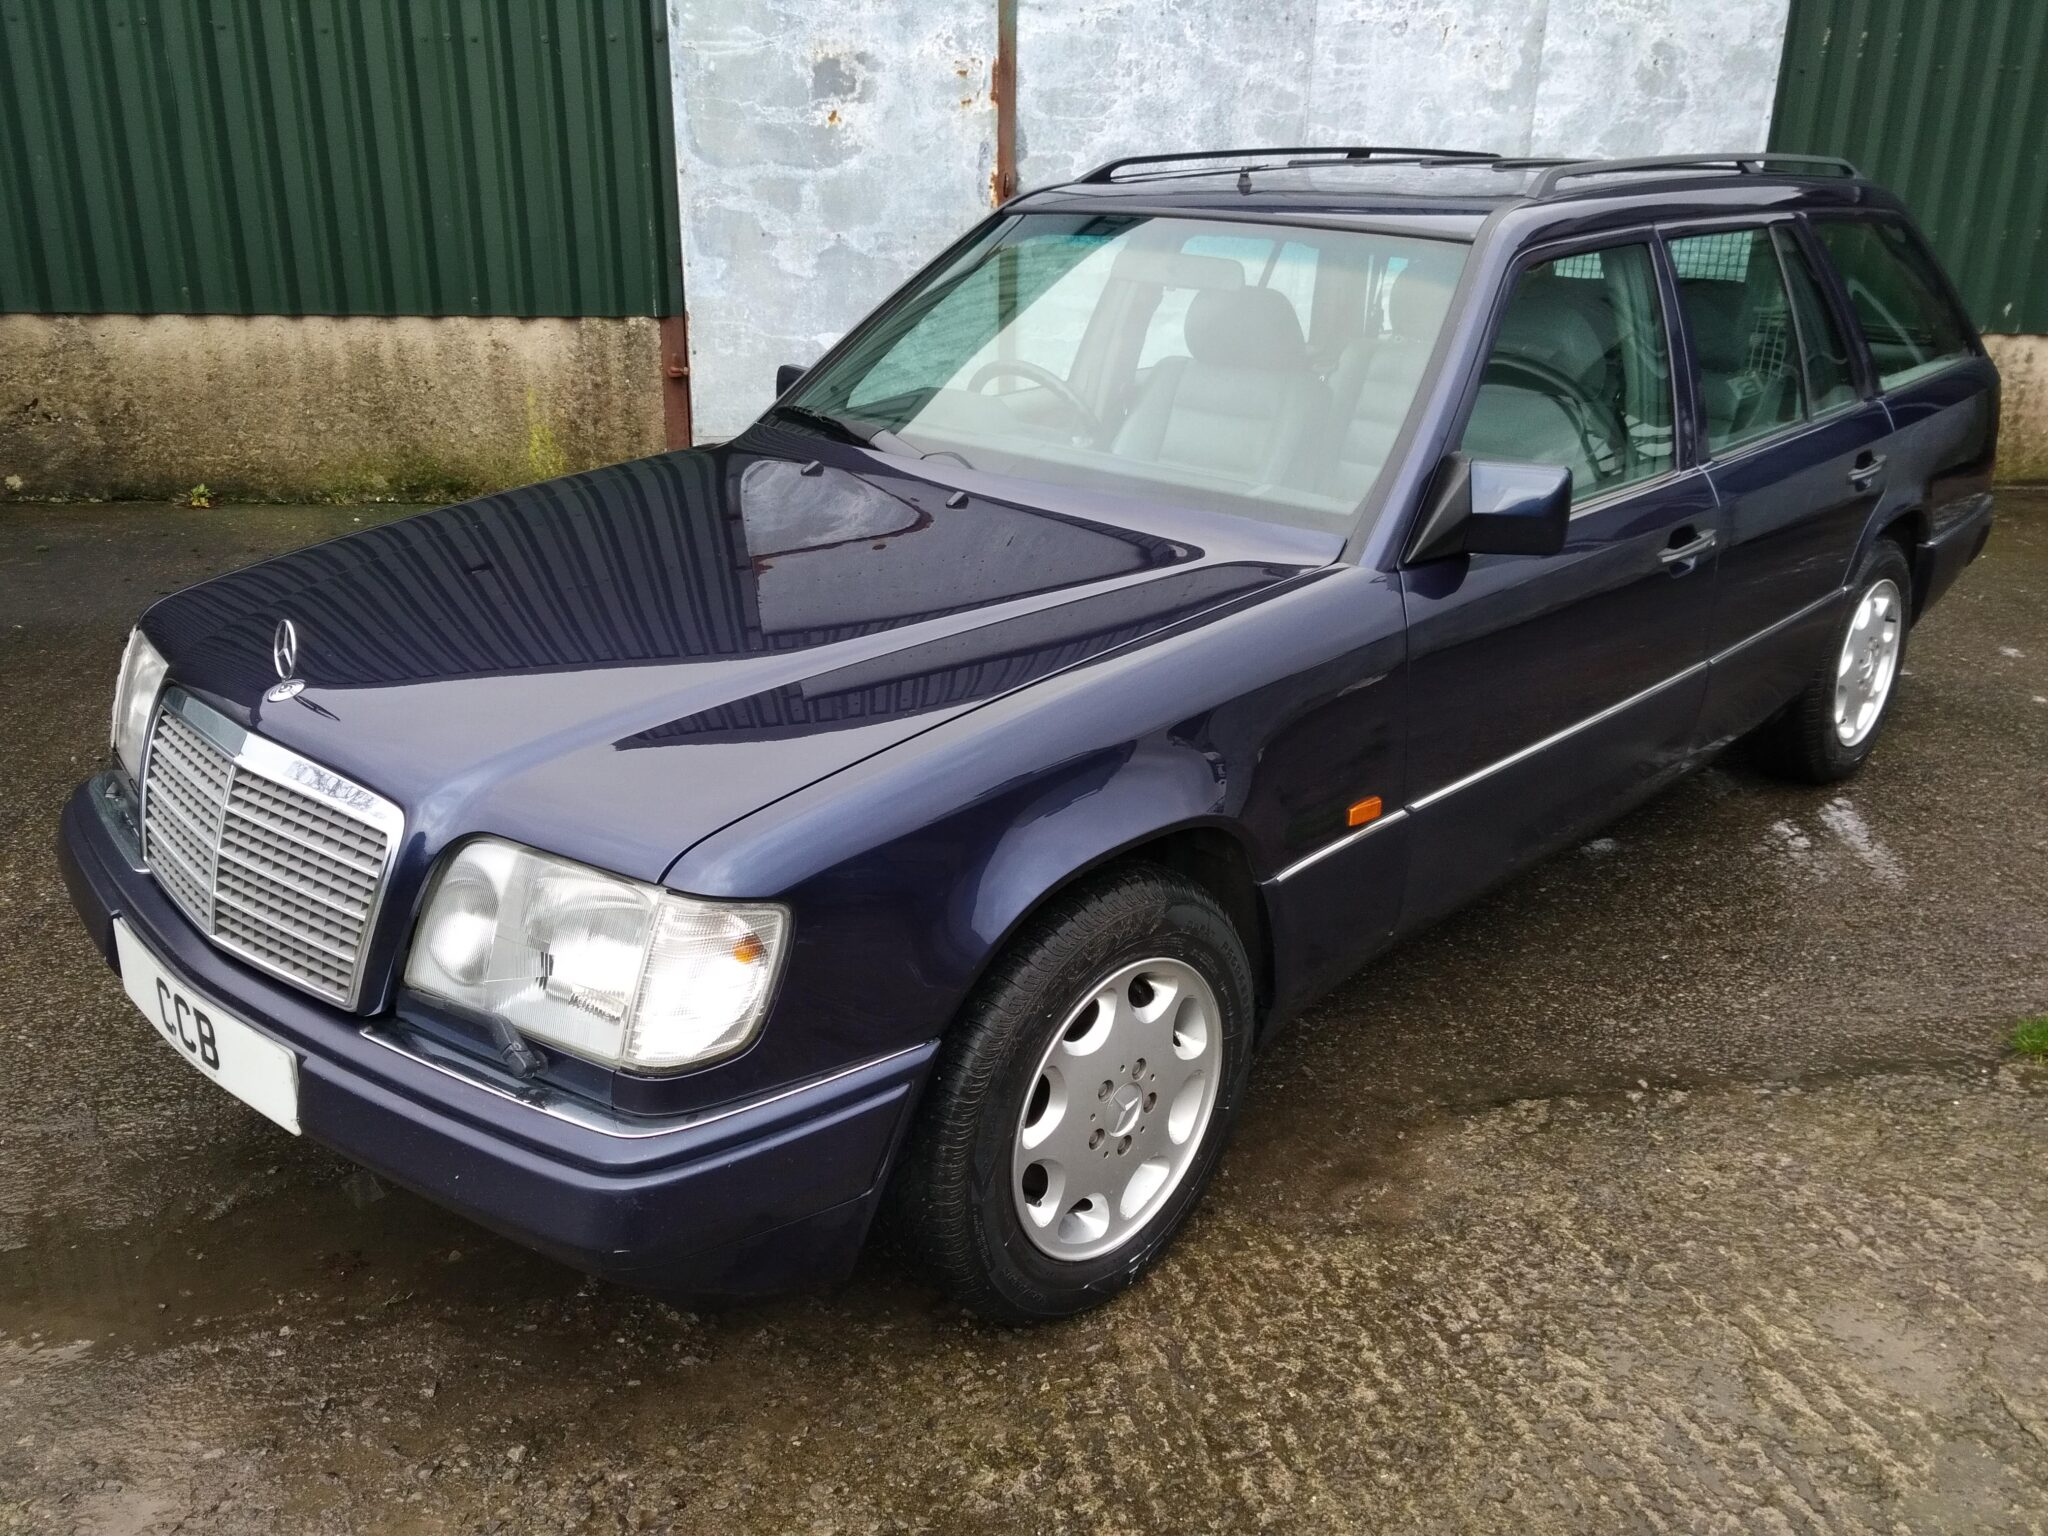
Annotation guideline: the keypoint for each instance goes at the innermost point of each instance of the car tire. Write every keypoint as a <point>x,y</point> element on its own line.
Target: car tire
<point>1081,1100</point>
<point>1826,733</point>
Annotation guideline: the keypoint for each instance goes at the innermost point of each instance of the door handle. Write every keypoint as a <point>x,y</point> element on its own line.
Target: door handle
<point>1867,471</point>
<point>1692,550</point>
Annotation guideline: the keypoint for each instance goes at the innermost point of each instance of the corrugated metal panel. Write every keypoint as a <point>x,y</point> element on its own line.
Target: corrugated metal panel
<point>337,157</point>
<point>1947,104</point>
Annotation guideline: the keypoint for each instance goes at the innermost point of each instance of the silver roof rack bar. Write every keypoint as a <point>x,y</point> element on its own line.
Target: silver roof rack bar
<point>1742,163</point>
<point>1106,172</point>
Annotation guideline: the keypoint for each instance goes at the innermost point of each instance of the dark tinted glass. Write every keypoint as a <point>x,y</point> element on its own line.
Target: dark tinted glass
<point>1910,327</point>
<point>1735,305</point>
<point>1580,374</point>
<point>1829,380</point>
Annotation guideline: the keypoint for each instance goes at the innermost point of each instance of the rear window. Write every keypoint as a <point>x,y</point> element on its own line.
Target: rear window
<point>1912,329</point>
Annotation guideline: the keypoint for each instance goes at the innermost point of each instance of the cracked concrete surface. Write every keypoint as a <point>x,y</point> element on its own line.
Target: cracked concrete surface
<point>1685,1184</point>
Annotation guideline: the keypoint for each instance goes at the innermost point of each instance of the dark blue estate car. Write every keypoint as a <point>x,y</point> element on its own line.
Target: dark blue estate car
<point>1204,574</point>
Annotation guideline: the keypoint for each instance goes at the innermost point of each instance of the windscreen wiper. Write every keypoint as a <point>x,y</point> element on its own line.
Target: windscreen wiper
<point>832,426</point>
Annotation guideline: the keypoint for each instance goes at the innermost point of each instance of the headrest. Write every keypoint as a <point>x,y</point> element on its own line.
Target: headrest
<point>1719,337</point>
<point>1178,269</point>
<point>1416,302</point>
<point>1245,328</point>
<point>1545,324</point>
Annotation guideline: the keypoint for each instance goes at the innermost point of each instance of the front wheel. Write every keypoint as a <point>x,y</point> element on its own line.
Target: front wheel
<point>1082,1099</point>
<point>1827,732</point>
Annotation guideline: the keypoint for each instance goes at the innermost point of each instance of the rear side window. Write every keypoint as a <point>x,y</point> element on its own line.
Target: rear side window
<point>1830,382</point>
<point>1740,318</point>
<point>1580,373</point>
<point>1911,328</point>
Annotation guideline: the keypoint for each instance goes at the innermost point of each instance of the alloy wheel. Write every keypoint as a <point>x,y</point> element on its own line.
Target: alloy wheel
<point>1868,663</point>
<point>1117,1108</point>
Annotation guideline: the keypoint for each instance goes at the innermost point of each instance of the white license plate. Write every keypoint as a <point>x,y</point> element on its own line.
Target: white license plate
<point>242,1059</point>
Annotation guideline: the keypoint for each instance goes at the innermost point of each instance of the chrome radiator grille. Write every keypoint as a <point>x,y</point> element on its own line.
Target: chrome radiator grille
<point>276,859</point>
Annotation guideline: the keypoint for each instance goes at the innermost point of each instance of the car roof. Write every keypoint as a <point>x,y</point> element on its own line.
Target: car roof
<point>1451,194</point>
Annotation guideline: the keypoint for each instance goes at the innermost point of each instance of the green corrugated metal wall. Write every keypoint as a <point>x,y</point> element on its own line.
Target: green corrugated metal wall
<point>1946,102</point>
<point>337,157</point>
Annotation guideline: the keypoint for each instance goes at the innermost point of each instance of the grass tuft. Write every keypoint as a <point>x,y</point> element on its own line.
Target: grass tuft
<point>2031,1038</point>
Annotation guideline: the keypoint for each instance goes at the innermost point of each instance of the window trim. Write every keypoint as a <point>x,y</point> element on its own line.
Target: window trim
<point>1682,447</point>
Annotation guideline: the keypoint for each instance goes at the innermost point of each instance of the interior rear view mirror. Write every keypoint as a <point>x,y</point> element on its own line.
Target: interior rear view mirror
<point>1494,507</point>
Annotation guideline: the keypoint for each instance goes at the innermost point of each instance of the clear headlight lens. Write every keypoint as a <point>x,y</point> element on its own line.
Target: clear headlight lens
<point>623,973</point>
<point>135,691</point>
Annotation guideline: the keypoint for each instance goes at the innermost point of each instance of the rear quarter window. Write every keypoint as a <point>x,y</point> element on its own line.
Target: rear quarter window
<point>1911,327</point>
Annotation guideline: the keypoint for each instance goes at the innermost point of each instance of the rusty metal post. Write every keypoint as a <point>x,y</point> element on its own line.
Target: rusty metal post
<point>1003,91</point>
<point>675,379</point>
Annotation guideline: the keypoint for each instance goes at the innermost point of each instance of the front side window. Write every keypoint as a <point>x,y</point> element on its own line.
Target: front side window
<point>1911,328</point>
<point>1228,364</point>
<point>1580,373</point>
<point>1733,294</point>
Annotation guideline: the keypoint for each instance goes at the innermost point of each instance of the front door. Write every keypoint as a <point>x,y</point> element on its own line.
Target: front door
<point>1546,692</point>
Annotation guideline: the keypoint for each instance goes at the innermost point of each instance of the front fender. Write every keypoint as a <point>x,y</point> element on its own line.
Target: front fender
<point>890,940</point>
<point>907,871</point>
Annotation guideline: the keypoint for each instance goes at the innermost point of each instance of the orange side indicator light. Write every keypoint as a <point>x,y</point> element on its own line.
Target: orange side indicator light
<point>1363,811</point>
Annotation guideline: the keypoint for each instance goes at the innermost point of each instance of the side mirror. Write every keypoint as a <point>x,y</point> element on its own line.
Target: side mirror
<point>1493,507</point>
<point>787,375</point>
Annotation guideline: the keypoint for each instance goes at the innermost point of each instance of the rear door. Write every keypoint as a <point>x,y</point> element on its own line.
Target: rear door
<point>1794,444</point>
<point>1940,389</point>
<point>1547,692</point>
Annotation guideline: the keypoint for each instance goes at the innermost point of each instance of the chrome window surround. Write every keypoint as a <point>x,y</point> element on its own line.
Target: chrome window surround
<point>265,759</point>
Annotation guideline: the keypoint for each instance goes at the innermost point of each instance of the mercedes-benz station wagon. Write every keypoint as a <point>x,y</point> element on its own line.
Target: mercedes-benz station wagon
<point>1202,575</point>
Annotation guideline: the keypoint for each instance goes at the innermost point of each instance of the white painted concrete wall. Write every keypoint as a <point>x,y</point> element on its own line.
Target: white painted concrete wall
<point>825,152</point>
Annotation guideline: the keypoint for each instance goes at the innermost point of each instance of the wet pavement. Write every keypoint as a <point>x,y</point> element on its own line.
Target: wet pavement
<point>1687,1183</point>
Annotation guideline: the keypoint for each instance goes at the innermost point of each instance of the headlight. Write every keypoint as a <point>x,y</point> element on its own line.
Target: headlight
<point>142,677</point>
<point>623,973</point>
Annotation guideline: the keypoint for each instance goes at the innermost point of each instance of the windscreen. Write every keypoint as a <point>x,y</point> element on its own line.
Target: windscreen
<point>1253,368</point>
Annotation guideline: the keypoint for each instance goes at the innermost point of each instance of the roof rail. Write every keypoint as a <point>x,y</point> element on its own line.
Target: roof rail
<point>1740,162</point>
<point>1106,172</point>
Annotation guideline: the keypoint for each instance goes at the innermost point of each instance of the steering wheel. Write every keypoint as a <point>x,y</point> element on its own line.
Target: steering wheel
<point>995,369</point>
<point>1565,392</point>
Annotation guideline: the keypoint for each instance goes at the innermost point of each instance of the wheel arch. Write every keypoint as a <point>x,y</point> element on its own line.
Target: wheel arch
<point>1909,527</point>
<point>1209,851</point>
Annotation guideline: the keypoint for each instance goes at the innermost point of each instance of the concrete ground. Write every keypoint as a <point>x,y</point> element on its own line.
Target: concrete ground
<point>1686,1184</point>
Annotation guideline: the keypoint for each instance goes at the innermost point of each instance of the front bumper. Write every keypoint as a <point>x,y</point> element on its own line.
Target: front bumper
<point>760,1196</point>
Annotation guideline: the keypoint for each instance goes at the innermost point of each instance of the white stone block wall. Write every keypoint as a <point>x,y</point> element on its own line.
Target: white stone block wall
<point>825,152</point>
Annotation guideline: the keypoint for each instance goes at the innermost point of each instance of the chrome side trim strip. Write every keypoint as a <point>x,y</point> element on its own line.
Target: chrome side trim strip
<point>1569,731</point>
<point>1785,623</point>
<point>574,1112</point>
<point>1339,845</point>
<point>1557,736</point>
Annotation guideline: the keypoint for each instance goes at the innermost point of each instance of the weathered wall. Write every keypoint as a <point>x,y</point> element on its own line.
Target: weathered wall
<point>308,409</point>
<point>1109,77</point>
<point>823,154</point>
<point>2023,407</point>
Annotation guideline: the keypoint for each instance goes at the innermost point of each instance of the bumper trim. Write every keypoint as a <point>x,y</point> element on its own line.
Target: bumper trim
<point>633,1128</point>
